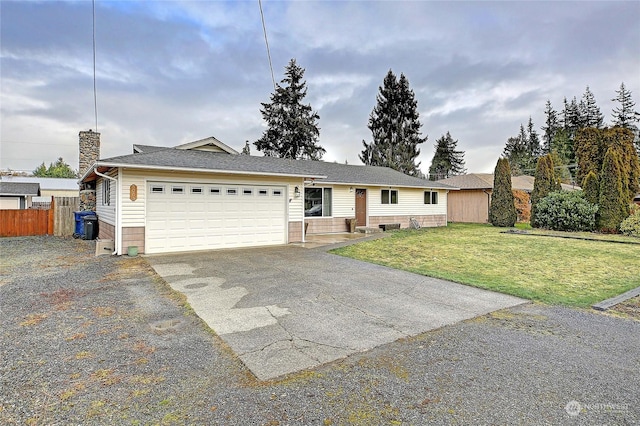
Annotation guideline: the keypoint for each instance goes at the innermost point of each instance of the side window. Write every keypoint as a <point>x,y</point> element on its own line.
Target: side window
<point>430,197</point>
<point>389,196</point>
<point>106,192</point>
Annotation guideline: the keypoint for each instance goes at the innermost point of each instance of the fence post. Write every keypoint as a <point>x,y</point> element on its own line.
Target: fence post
<point>51,214</point>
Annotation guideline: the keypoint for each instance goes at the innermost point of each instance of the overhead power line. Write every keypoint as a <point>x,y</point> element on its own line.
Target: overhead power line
<point>95,92</point>
<point>266,42</point>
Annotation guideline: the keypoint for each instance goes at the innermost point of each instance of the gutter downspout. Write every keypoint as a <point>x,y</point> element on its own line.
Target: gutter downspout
<point>117,242</point>
<point>302,197</point>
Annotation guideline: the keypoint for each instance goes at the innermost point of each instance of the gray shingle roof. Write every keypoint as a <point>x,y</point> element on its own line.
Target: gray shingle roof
<point>319,170</point>
<point>19,188</point>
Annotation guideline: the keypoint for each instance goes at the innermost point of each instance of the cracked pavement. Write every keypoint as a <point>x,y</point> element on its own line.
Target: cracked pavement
<point>284,309</point>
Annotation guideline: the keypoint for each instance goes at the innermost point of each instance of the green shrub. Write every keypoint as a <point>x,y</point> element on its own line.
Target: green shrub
<point>566,211</point>
<point>502,210</point>
<point>631,225</point>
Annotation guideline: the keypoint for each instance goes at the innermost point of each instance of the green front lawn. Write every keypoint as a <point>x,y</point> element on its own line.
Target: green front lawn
<point>546,269</point>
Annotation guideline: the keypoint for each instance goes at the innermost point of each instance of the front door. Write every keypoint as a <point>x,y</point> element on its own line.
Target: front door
<point>361,207</point>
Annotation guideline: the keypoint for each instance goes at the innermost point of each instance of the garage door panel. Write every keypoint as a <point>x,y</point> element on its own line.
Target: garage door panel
<point>218,216</point>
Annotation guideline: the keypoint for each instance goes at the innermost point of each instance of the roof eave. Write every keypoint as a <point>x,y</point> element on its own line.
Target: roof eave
<point>198,170</point>
<point>328,182</point>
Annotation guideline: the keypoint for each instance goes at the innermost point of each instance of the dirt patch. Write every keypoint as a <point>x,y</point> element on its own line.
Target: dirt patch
<point>628,309</point>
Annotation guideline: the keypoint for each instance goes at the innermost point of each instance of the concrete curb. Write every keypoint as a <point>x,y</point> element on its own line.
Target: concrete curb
<point>606,304</point>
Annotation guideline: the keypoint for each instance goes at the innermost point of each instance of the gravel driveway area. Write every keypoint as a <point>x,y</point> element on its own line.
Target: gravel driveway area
<point>104,340</point>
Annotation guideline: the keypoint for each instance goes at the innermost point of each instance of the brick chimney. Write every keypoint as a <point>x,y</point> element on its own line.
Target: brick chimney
<point>89,150</point>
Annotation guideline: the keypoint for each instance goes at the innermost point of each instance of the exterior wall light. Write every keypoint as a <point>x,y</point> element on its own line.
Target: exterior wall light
<point>296,192</point>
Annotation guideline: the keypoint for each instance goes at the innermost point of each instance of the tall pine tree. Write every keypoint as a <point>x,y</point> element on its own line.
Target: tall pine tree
<point>523,150</point>
<point>592,115</point>
<point>395,127</point>
<point>624,115</point>
<point>447,160</point>
<point>292,127</point>
<point>550,128</point>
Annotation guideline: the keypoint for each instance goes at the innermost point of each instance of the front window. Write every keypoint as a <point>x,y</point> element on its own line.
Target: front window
<point>389,196</point>
<point>430,197</point>
<point>317,202</point>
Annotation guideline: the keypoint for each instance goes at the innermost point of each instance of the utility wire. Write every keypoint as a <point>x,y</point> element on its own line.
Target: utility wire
<point>266,42</point>
<point>95,92</point>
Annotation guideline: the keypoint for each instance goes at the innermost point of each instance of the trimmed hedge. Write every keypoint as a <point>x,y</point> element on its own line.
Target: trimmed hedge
<point>631,225</point>
<point>566,211</point>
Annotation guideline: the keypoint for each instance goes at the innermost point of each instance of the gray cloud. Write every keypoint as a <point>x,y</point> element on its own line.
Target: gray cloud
<point>170,72</point>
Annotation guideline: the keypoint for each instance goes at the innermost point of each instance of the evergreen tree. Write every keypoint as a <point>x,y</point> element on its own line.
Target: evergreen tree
<point>502,210</point>
<point>622,140</point>
<point>591,112</point>
<point>544,183</point>
<point>292,127</point>
<point>562,145</point>
<point>591,188</point>
<point>533,141</point>
<point>590,148</point>
<point>59,169</point>
<point>573,117</point>
<point>613,202</point>
<point>551,127</point>
<point>447,160</point>
<point>624,115</point>
<point>523,150</point>
<point>395,127</point>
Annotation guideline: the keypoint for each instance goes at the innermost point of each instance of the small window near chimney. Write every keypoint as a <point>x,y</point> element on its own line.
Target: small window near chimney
<point>106,192</point>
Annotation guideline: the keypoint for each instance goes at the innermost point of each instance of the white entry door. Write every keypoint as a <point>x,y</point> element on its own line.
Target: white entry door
<point>193,216</point>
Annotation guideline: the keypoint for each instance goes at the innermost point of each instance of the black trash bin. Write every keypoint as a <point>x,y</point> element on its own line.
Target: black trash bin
<point>90,227</point>
<point>79,216</point>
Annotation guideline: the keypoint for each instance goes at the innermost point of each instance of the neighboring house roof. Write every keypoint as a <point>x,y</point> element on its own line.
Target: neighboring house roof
<point>485,181</point>
<point>46,183</point>
<point>194,159</point>
<point>470,181</point>
<point>19,189</point>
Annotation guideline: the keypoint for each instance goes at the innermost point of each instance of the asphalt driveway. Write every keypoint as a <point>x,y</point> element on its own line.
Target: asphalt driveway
<point>285,309</point>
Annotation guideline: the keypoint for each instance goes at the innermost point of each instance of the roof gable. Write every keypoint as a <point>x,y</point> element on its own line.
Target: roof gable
<point>209,144</point>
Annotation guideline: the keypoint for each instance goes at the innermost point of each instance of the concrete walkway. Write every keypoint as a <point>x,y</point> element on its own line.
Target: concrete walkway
<point>285,309</point>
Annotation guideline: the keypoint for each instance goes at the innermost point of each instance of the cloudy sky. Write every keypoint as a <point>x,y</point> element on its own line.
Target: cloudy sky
<point>173,72</point>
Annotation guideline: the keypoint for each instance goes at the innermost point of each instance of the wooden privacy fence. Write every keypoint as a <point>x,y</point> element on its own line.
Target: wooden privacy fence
<point>64,221</point>
<point>58,220</point>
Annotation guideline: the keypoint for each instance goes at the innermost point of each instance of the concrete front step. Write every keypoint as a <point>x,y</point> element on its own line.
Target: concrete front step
<point>366,230</point>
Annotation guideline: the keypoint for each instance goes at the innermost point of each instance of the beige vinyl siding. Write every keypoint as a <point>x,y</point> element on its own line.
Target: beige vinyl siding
<point>133,212</point>
<point>410,203</point>
<point>344,202</point>
<point>107,213</point>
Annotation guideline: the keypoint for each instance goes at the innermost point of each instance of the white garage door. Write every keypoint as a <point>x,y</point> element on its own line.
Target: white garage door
<point>189,216</point>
